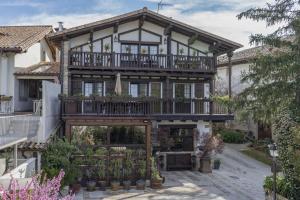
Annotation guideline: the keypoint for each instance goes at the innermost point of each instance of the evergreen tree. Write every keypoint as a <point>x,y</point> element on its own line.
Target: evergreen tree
<point>274,77</point>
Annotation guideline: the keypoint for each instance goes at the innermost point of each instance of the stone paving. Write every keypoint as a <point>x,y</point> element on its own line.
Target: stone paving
<point>239,178</point>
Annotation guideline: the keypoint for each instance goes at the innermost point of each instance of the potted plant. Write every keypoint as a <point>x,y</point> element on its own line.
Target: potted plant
<point>91,184</point>
<point>128,50</point>
<point>181,51</point>
<point>217,163</point>
<point>76,186</point>
<point>128,166</point>
<point>211,144</point>
<point>156,180</point>
<point>116,174</point>
<point>143,51</point>
<point>140,184</point>
<point>101,174</point>
<point>106,48</point>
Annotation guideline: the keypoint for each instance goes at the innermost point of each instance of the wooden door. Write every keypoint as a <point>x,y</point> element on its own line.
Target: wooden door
<point>179,162</point>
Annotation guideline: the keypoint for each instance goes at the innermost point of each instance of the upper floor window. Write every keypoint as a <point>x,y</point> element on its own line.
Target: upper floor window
<point>183,90</point>
<point>129,48</point>
<point>149,49</point>
<point>139,89</point>
<point>93,88</point>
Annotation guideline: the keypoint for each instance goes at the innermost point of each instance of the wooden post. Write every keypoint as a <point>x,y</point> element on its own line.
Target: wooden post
<point>148,151</point>
<point>229,55</point>
<point>168,94</point>
<point>211,91</point>
<point>15,155</point>
<point>68,131</point>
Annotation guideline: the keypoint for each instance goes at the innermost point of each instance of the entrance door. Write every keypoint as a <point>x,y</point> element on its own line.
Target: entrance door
<point>179,162</point>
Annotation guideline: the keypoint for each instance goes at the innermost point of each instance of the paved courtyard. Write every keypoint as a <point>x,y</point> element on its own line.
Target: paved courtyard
<point>240,178</point>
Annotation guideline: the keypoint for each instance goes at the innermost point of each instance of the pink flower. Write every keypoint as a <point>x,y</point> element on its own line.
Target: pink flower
<point>34,190</point>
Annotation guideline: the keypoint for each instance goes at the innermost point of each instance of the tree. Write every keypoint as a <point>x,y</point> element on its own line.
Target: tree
<point>274,77</point>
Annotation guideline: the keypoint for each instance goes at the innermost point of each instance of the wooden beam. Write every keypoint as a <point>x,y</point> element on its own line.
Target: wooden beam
<point>148,150</point>
<point>168,29</point>
<point>141,21</point>
<point>229,55</point>
<point>116,27</point>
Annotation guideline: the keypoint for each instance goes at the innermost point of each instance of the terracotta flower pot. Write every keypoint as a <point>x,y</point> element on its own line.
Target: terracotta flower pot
<point>156,183</point>
<point>140,185</point>
<point>102,185</point>
<point>91,185</point>
<point>75,188</point>
<point>205,165</point>
<point>127,185</point>
<point>115,185</point>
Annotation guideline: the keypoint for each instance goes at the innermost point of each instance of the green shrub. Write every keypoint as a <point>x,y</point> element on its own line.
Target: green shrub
<point>282,186</point>
<point>232,136</point>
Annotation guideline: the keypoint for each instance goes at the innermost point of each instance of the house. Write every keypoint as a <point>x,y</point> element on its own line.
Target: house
<point>143,70</point>
<point>228,80</point>
<point>29,87</point>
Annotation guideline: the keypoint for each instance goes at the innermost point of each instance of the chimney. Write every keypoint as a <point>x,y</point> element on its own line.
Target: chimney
<point>60,26</point>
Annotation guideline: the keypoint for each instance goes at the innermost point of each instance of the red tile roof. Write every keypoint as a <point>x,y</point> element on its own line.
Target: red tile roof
<point>40,69</point>
<point>20,38</point>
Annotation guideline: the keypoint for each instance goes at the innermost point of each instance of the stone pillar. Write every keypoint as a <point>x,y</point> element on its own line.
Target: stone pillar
<point>65,58</point>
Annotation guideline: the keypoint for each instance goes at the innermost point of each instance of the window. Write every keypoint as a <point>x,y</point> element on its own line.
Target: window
<point>29,89</point>
<point>134,90</point>
<point>129,48</point>
<point>98,89</point>
<point>149,49</point>
<point>139,89</point>
<point>156,89</point>
<point>93,88</point>
<point>88,89</point>
<point>183,90</point>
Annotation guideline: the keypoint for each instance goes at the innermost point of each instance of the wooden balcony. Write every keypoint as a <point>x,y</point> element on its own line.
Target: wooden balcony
<point>169,109</point>
<point>126,61</point>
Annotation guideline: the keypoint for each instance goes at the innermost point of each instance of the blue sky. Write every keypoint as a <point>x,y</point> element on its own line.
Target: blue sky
<point>217,16</point>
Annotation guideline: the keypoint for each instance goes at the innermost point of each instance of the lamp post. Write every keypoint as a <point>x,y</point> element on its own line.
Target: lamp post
<point>274,154</point>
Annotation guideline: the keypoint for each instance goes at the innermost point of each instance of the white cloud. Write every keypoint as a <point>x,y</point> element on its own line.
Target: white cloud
<point>69,20</point>
<point>222,22</point>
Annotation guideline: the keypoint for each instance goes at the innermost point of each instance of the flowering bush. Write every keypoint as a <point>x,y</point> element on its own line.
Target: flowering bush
<point>35,190</point>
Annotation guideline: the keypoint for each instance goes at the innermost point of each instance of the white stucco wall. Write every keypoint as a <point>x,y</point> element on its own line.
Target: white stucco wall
<point>30,57</point>
<point>51,109</point>
<point>222,85</point>
<point>236,85</point>
<point>6,74</point>
<point>134,36</point>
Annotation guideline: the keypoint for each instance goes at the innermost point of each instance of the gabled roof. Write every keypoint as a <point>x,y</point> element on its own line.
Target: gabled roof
<point>223,43</point>
<point>20,38</point>
<point>243,56</point>
<point>40,69</point>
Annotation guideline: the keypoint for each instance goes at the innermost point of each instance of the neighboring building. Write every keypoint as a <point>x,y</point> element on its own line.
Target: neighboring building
<point>142,69</point>
<point>228,80</point>
<point>29,106</point>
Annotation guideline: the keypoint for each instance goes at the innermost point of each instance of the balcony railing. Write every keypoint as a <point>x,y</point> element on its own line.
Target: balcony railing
<point>141,61</point>
<point>117,106</point>
<point>6,103</point>
<point>17,128</point>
